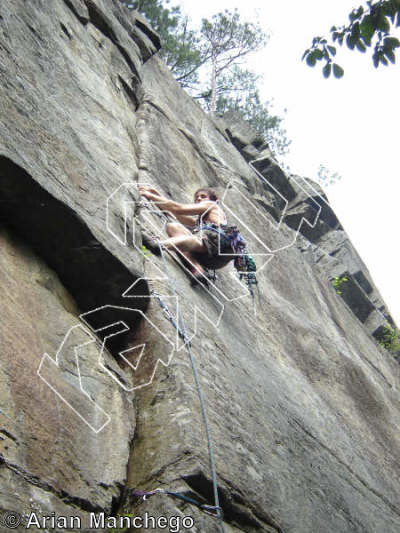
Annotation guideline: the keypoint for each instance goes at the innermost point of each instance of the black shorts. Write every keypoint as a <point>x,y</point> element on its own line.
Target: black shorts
<point>219,250</point>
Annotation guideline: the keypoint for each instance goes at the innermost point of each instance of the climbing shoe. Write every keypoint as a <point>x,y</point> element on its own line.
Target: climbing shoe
<point>151,244</point>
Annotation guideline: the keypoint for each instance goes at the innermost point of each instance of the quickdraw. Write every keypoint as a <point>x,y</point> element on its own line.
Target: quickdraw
<point>214,511</point>
<point>170,317</point>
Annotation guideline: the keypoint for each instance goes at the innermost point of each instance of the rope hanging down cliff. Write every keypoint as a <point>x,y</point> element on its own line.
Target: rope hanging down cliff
<point>179,325</point>
<point>214,510</point>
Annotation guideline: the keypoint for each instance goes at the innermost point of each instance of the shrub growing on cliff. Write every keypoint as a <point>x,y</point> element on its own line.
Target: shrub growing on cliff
<point>390,339</point>
<point>338,282</point>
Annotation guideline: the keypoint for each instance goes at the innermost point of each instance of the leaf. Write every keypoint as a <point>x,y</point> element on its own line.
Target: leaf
<point>367,29</point>
<point>355,31</point>
<point>390,55</point>
<point>318,54</point>
<point>383,23</point>
<point>392,42</point>
<point>310,60</point>
<point>355,14</point>
<point>305,54</point>
<point>326,71</point>
<point>332,50</point>
<point>360,46</point>
<point>360,11</point>
<point>350,42</point>
<point>375,59</point>
<point>337,70</point>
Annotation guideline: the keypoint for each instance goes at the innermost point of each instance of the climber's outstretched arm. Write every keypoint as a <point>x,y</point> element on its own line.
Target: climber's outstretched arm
<point>186,220</point>
<point>177,209</point>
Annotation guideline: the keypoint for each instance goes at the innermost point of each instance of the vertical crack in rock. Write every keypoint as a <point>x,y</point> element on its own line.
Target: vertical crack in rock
<point>131,92</point>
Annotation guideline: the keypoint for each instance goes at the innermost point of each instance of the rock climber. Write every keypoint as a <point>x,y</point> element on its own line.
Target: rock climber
<point>200,240</point>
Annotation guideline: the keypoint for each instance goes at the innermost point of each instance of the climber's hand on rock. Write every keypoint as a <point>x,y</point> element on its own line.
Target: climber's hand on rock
<point>148,192</point>
<point>153,191</point>
<point>144,191</point>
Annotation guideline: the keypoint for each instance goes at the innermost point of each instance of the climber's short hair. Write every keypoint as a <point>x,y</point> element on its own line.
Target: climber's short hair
<point>211,193</point>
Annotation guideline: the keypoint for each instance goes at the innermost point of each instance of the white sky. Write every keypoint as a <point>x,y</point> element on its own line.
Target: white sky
<point>348,125</point>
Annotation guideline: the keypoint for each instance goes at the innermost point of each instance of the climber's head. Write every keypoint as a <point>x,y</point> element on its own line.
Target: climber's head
<point>205,194</point>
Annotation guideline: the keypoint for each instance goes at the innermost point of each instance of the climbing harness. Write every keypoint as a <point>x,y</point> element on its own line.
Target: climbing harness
<point>230,238</point>
<point>209,509</point>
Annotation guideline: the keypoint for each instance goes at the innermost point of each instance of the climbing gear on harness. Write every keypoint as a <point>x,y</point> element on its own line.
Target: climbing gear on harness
<point>209,509</point>
<point>246,268</point>
<point>217,241</point>
<point>223,244</point>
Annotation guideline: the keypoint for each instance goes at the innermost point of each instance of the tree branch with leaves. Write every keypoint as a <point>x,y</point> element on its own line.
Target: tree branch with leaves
<point>371,26</point>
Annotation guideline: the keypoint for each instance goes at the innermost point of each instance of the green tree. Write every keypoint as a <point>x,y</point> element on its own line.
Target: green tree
<point>226,41</point>
<point>216,48</point>
<point>232,88</point>
<point>237,91</point>
<point>371,26</point>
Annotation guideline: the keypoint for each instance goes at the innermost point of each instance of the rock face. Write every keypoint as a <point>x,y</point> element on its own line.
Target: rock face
<point>303,404</point>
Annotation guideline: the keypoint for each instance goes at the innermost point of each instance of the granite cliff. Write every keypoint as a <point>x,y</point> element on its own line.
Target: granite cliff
<point>302,402</point>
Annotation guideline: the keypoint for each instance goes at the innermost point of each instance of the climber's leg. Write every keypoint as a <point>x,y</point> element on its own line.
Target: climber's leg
<point>182,241</point>
<point>175,228</point>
